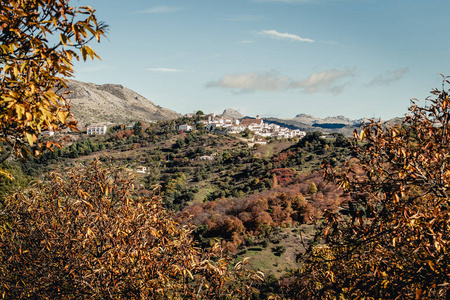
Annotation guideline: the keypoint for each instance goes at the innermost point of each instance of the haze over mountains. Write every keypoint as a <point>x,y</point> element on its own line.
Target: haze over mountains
<point>311,120</point>
<point>115,104</point>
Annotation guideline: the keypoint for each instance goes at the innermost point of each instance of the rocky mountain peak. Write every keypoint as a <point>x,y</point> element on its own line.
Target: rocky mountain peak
<point>112,104</point>
<point>232,113</point>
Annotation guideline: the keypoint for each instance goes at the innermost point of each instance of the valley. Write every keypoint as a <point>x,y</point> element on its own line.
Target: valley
<point>259,202</point>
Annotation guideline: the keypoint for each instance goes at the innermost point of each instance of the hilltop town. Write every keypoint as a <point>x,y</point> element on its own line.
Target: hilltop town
<point>260,130</point>
<point>257,126</point>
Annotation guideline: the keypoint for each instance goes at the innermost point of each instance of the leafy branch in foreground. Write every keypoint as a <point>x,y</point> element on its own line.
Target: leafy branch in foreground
<point>394,240</point>
<point>38,40</point>
<point>86,235</point>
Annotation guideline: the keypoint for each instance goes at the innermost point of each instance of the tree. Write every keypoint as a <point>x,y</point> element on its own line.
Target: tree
<point>247,133</point>
<point>201,128</point>
<point>138,128</point>
<point>312,188</point>
<point>394,240</point>
<point>86,234</point>
<point>38,41</point>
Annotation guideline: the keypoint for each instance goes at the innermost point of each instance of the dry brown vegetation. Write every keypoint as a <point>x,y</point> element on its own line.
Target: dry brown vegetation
<point>288,203</point>
<point>85,235</point>
<point>393,243</point>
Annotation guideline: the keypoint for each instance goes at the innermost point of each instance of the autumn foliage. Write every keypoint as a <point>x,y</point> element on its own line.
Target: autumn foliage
<point>38,41</point>
<point>86,235</point>
<point>288,203</point>
<point>393,241</point>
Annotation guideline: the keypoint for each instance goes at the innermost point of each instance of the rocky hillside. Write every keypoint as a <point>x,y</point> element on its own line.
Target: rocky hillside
<point>311,120</point>
<point>338,124</point>
<point>112,104</point>
<point>231,113</point>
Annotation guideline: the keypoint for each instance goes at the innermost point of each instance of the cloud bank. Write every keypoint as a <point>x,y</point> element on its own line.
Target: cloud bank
<point>331,81</point>
<point>278,35</point>
<point>246,82</point>
<point>327,81</point>
<point>389,77</point>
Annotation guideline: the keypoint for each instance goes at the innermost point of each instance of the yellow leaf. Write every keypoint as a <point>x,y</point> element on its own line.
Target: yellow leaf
<point>29,138</point>
<point>20,110</point>
<point>190,274</point>
<point>6,174</point>
<point>88,204</point>
<point>62,116</point>
<point>362,135</point>
<point>431,264</point>
<point>63,39</point>
<point>22,67</point>
<point>90,232</point>
<point>84,53</point>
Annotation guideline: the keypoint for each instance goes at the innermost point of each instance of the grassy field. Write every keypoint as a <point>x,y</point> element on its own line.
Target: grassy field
<point>266,260</point>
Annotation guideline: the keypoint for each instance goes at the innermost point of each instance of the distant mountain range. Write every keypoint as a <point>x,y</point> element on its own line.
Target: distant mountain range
<point>115,104</point>
<point>307,122</point>
<point>338,124</point>
<point>112,104</point>
<point>311,120</point>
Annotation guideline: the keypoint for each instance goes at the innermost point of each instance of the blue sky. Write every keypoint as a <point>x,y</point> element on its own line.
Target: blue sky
<point>279,58</point>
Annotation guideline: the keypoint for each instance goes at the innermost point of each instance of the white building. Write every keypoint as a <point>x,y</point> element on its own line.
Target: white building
<point>141,169</point>
<point>298,133</point>
<point>185,128</point>
<point>96,129</point>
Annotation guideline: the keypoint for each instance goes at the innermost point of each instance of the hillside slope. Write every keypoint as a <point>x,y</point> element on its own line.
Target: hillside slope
<point>232,113</point>
<point>112,104</point>
<point>328,125</point>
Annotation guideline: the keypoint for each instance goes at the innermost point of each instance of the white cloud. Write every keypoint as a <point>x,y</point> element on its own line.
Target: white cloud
<point>328,81</point>
<point>160,10</point>
<point>289,36</point>
<point>164,70</point>
<point>389,77</point>
<point>331,81</point>
<point>246,82</point>
<point>246,42</point>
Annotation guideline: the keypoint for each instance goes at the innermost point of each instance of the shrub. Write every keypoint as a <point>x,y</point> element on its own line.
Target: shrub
<point>393,241</point>
<point>279,250</point>
<point>86,235</point>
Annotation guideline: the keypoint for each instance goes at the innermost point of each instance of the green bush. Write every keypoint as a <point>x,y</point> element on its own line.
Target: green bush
<point>279,250</point>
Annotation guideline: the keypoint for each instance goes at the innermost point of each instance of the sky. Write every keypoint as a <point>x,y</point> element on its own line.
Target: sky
<point>274,58</point>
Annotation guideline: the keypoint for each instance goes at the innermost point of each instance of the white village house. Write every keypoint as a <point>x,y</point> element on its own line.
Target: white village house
<point>98,129</point>
<point>185,128</point>
<point>256,125</point>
